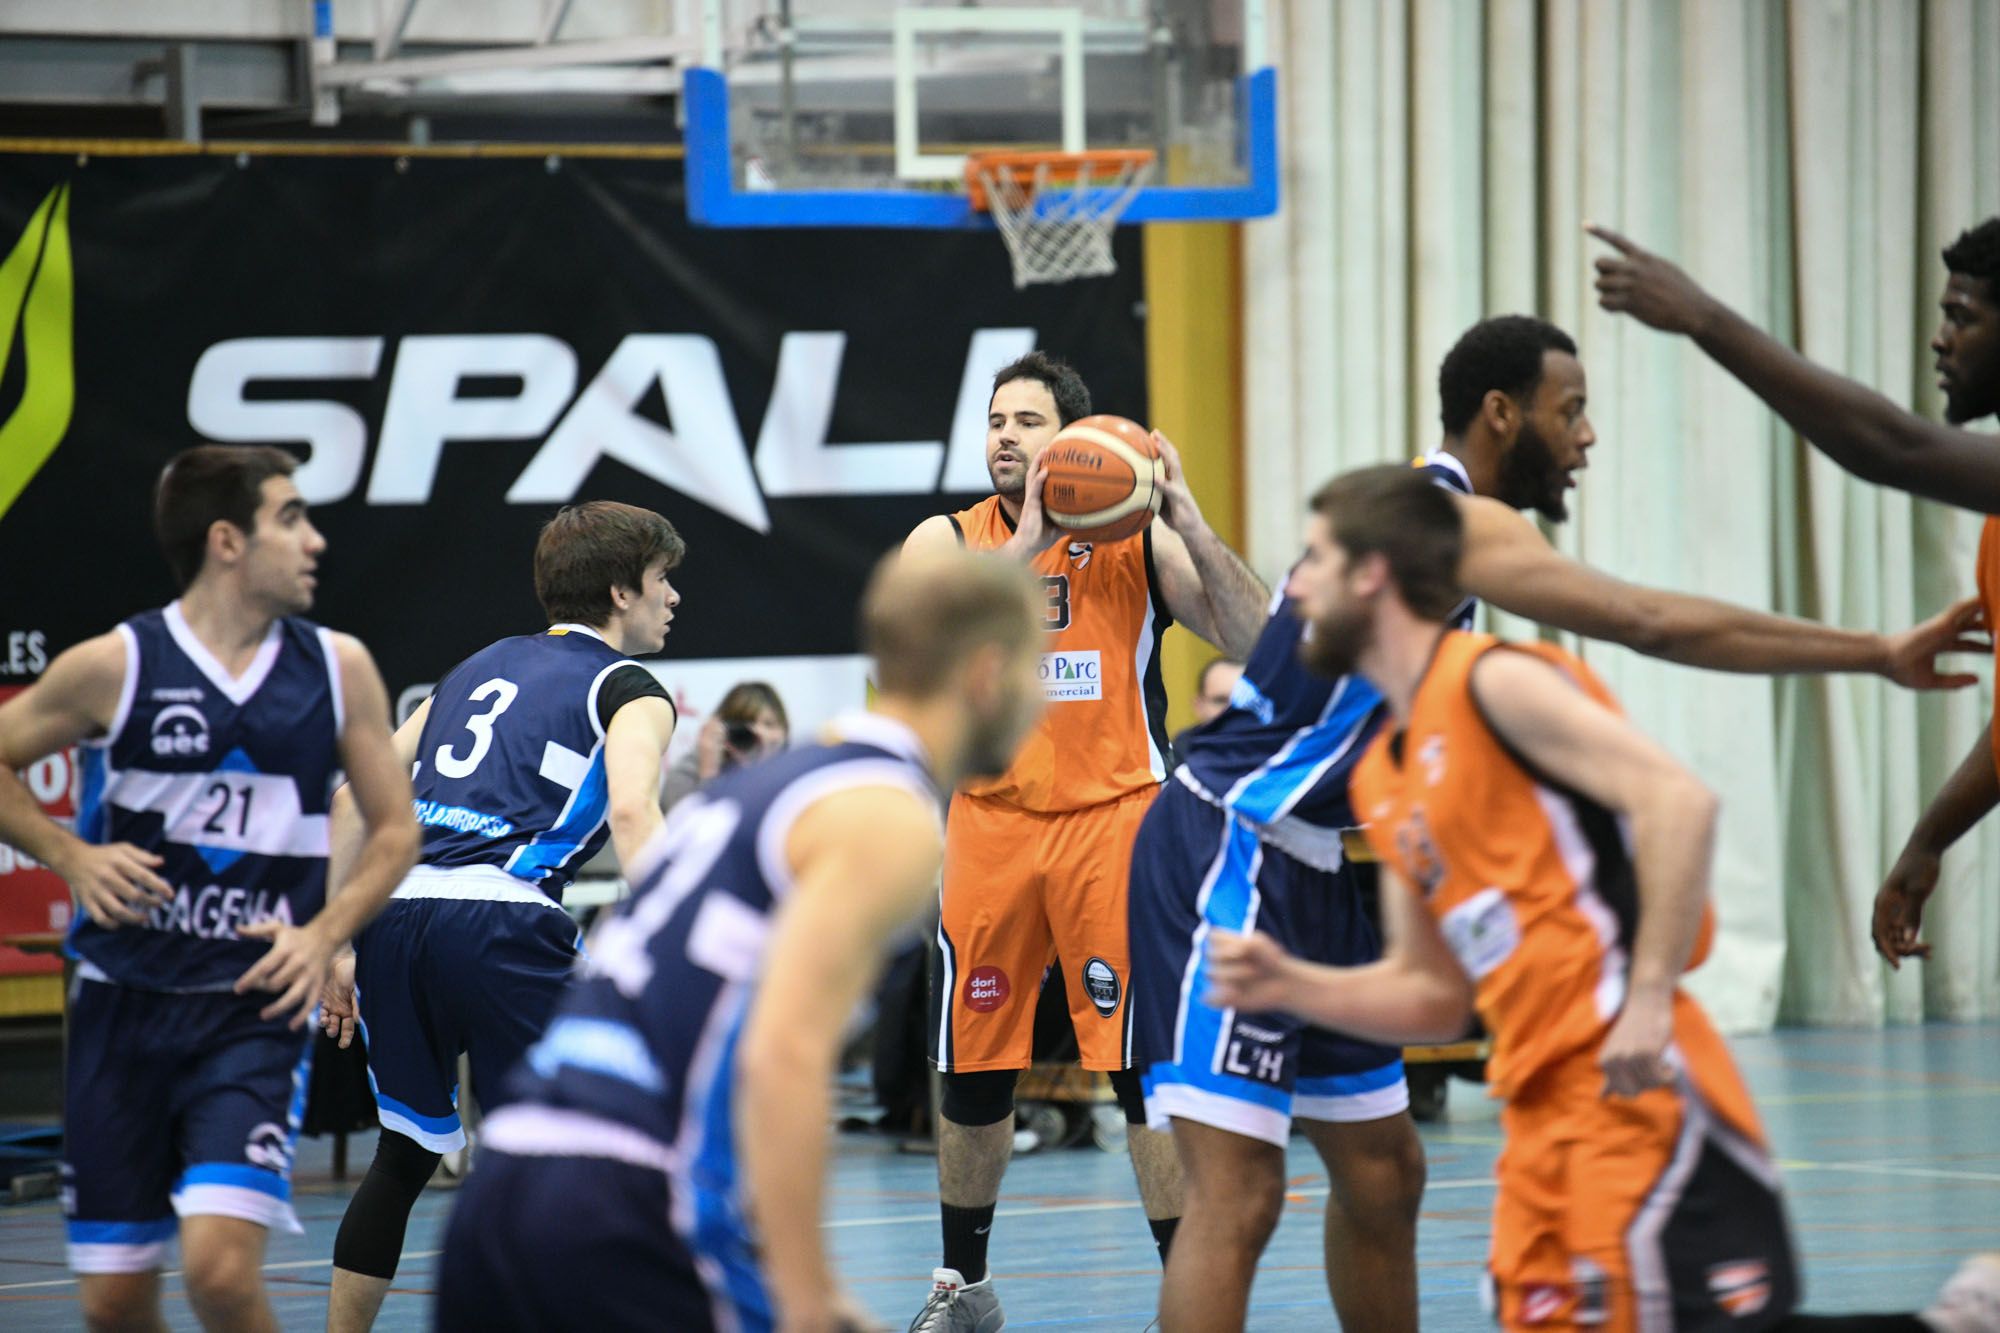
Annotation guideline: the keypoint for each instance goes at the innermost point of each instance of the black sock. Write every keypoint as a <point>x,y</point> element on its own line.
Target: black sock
<point>1163,1234</point>
<point>966,1231</point>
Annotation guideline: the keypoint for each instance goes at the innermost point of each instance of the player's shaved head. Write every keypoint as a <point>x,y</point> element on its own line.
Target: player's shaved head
<point>925,614</point>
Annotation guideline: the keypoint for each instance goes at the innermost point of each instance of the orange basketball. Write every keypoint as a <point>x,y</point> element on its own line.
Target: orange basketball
<point>1102,478</point>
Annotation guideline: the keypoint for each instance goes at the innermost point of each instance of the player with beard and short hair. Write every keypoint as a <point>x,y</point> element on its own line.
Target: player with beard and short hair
<point>1879,442</point>
<point>1249,833</point>
<point>1547,865</point>
<point>1036,860</point>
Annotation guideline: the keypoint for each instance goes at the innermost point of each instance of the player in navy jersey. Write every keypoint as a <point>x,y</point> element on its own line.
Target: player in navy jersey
<point>211,732</point>
<point>1248,836</point>
<point>662,1164</point>
<point>526,755</point>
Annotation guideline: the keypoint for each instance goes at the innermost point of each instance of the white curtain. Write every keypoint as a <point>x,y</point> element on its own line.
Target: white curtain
<point>1805,161</point>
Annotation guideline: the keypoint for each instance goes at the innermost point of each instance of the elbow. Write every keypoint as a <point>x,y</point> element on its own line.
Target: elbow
<point>632,822</point>
<point>1449,1015</point>
<point>1650,630</point>
<point>406,841</point>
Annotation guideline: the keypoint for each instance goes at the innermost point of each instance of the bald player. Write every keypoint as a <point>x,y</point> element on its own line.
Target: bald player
<point>662,1164</point>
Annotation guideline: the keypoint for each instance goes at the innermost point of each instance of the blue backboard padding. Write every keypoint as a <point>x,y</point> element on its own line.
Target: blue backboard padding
<point>714,200</point>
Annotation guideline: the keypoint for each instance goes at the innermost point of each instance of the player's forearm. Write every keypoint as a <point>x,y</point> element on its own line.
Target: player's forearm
<point>1386,1001</point>
<point>1673,846</point>
<point>385,856</point>
<point>782,1117</point>
<point>1967,797</point>
<point>1236,597</point>
<point>24,826</point>
<point>1853,425</point>
<point>1697,631</point>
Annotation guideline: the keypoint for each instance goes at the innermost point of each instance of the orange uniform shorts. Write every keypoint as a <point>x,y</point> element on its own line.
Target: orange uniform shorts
<point>1020,891</point>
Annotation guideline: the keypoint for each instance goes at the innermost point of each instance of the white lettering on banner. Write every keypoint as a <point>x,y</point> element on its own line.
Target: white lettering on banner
<point>335,433</point>
<point>1072,677</point>
<point>703,456</point>
<point>425,410</point>
<point>27,653</point>
<point>793,456</point>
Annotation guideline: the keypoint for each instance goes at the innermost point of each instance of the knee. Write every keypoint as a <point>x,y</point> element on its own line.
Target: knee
<point>982,1098</point>
<point>222,1278</point>
<point>1383,1180</point>
<point>1238,1198</point>
<point>113,1303</point>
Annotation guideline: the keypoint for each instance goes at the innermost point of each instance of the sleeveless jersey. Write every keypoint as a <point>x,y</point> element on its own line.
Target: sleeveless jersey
<point>1531,884</point>
<point>1104,735</point>
<point>1989,594</point>
<point>1281,753</point>
<point>510,766</point>
<point>228,781</point>
<point>639,1062</point>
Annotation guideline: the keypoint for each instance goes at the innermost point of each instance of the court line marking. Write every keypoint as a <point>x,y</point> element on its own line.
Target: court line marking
<point>1886,1168</point>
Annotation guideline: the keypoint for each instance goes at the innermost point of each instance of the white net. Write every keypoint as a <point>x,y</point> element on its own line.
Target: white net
<point>1057,222</point>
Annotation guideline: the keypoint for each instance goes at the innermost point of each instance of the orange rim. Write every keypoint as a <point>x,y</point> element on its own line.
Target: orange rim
<point>1063,168</point>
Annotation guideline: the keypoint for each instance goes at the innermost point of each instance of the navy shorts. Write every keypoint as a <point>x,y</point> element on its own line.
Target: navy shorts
<point>174,1106</point>
<point>1197,868</point>
<point>540,1242</point>
<point>437,978</point>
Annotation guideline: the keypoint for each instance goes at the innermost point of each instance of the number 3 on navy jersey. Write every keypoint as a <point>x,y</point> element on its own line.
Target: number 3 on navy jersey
<point>502,693</point>
<point>1056,615</point>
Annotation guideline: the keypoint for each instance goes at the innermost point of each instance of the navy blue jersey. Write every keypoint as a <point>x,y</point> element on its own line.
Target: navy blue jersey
<point>228,781</point>
<point>510,766</point>
<point>646,1037</point>
<point>1279,755</point>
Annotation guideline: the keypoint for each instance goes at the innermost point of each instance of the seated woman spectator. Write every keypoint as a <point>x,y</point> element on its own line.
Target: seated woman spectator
<point>749,724</point>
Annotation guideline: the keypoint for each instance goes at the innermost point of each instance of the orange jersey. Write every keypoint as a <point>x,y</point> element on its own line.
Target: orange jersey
<point>1532,885</point>
<point>1104,735</point>
<point>1989,595</point>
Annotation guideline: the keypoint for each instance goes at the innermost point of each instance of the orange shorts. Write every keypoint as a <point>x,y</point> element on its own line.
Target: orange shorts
<point>1629,1215</point>
<point>1021,890</point>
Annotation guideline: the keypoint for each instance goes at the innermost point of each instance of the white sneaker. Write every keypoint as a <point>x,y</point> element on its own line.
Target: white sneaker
<point>958,1306</point>
<point>1970,1302</point>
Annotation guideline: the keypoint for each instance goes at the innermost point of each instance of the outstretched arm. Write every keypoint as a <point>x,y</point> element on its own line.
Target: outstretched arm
<point>1853,425</point>
<point>1509,563</point>
<point>1576,741</point>
<point>1206,585</point>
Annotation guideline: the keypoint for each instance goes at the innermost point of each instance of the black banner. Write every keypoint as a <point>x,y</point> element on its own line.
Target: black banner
<point>458,346</point>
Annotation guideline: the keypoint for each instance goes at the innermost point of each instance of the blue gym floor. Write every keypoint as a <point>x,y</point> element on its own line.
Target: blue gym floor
<point>1890,1143</point>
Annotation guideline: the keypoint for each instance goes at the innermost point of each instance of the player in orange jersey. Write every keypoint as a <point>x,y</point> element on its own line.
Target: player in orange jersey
<point>1547,865</point>
<point>1036,862</point>
<point>1879,442</point>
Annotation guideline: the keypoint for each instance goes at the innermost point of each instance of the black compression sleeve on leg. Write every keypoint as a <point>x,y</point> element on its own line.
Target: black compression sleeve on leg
<point>370,1239</point>
<point>982,1098</point>
<point>1131,1096</point>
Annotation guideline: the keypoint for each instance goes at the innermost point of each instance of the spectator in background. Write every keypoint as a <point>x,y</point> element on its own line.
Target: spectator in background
<point>1211,692</point>
<point>749,724</point>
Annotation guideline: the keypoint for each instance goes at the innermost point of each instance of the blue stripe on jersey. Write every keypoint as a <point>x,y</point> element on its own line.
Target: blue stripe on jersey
<point>720,1233</point>
<point>1269,794</point>
<point>581,818</point>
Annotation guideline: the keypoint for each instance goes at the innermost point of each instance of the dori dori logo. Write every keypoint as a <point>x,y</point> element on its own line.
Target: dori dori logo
<point>37,303</point>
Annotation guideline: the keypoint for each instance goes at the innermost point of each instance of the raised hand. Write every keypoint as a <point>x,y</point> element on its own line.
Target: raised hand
<point>1652,290</point>
<point>1959,628</point>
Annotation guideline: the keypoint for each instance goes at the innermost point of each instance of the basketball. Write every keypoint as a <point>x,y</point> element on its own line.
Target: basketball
<point>1102,479</point>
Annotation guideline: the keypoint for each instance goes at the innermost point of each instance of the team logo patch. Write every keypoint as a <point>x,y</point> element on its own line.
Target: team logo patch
<point>1741,1286</point>
<point>1072,677</point>
<point>986,989</point>
<point>1542,1302</point>
<point>1100,982</point>
<point>1593,1292</point>
<point>180,730</point>
<point>1079,555</point>
<point>269,1146</point>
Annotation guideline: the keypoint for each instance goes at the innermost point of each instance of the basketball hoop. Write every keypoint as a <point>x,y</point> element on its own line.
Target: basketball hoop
<point>1056,210</point>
